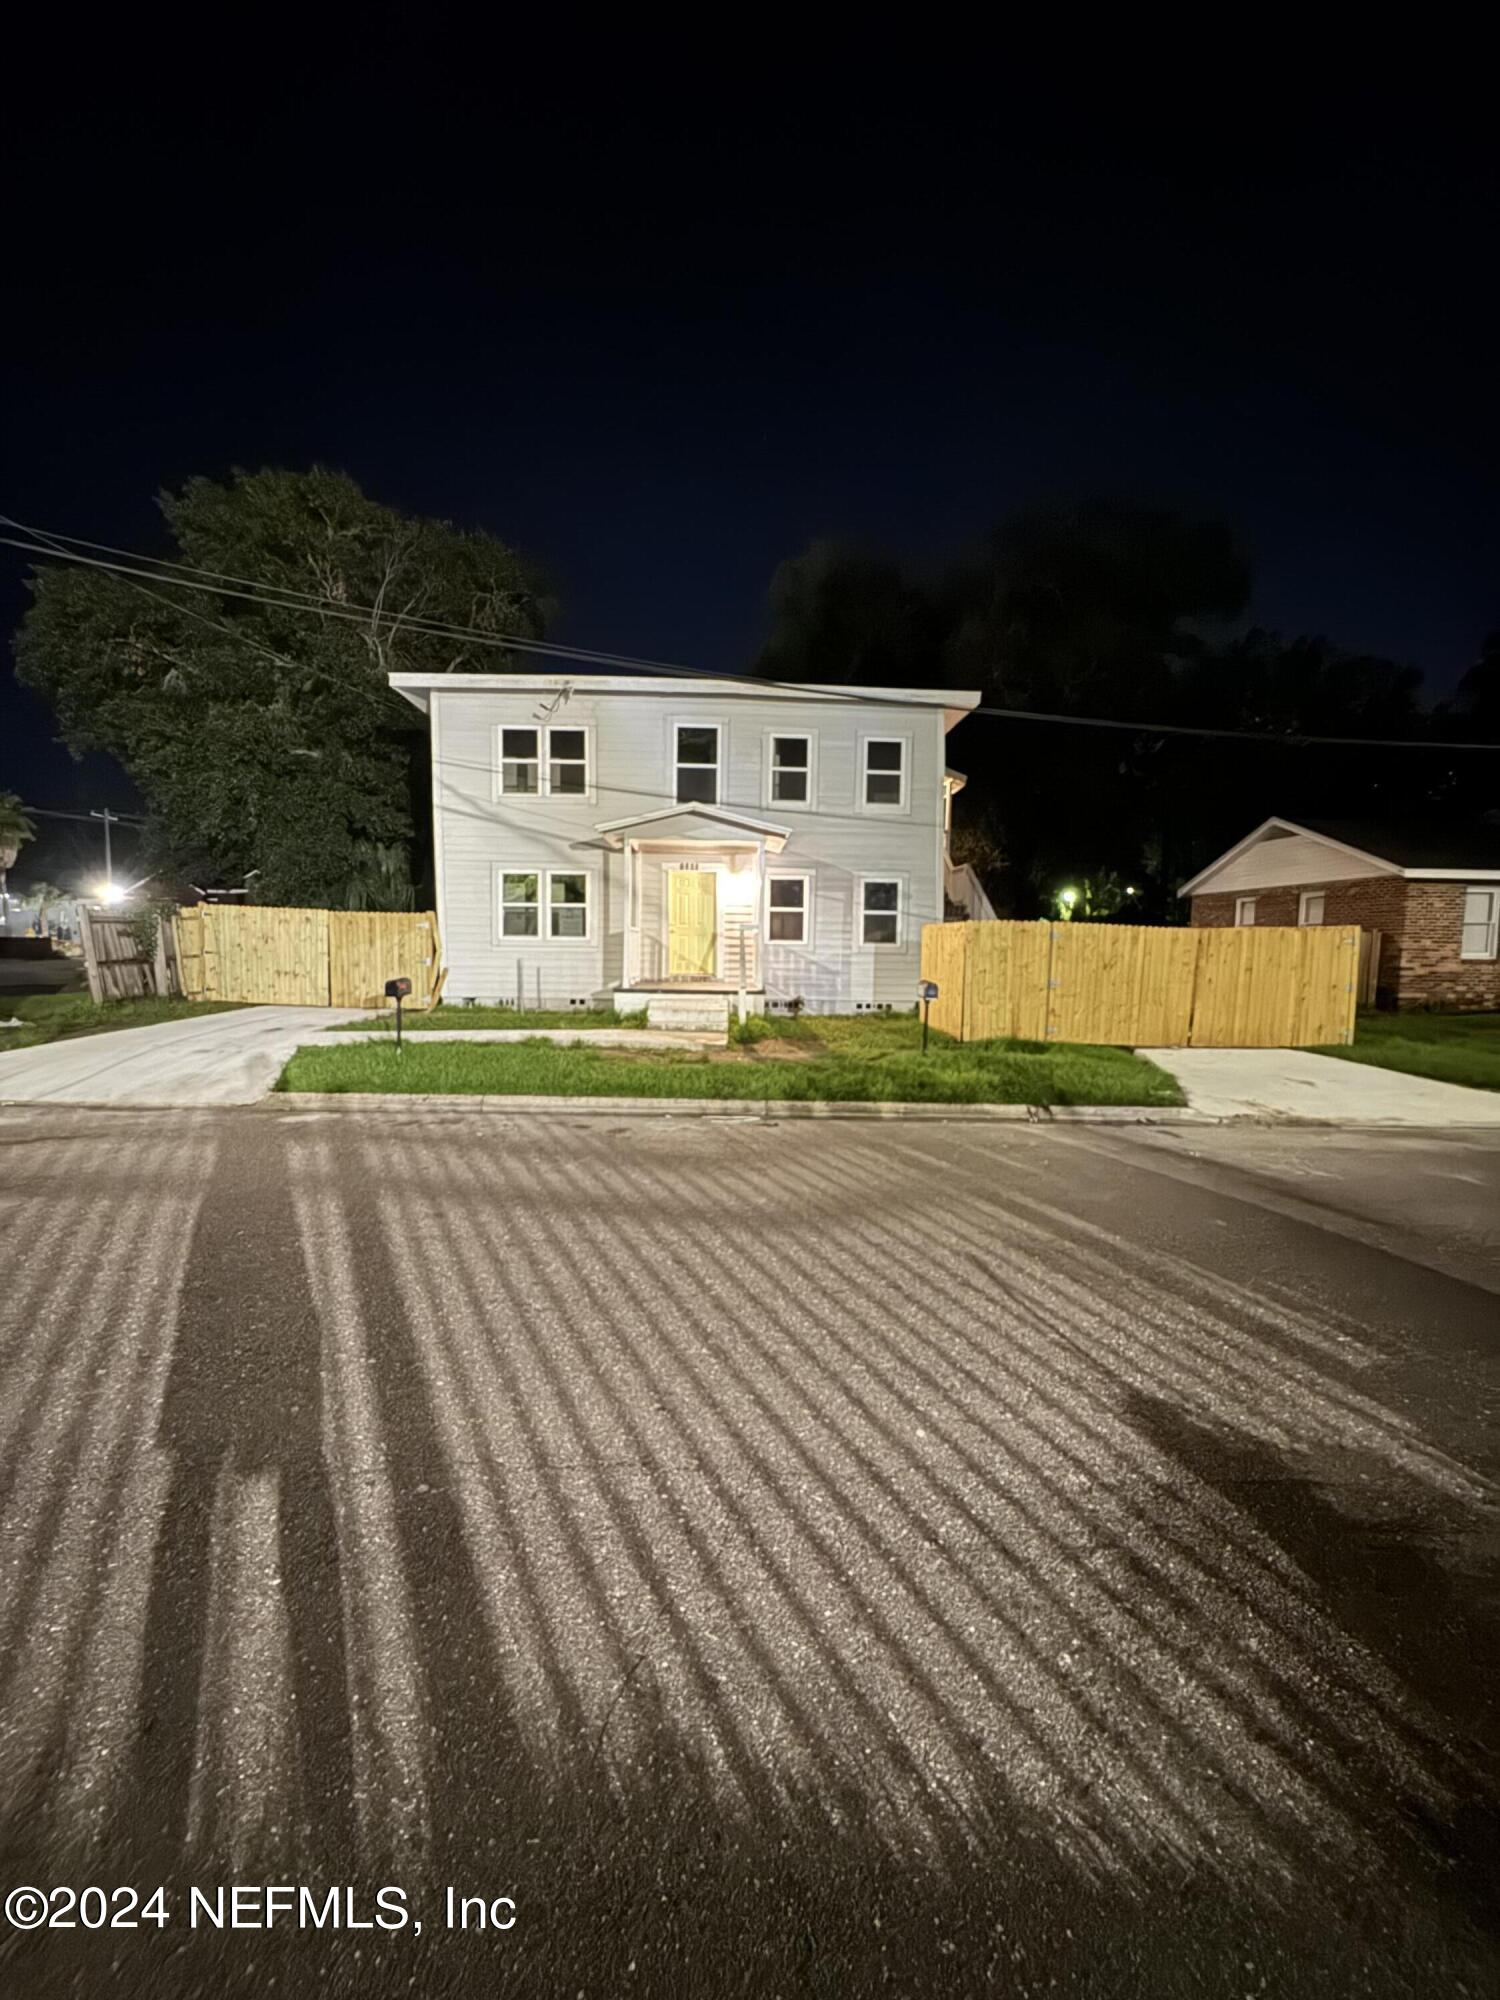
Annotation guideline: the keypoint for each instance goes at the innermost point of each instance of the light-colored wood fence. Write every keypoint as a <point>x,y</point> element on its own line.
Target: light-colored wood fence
<point>1369,967</point>
<point>1141,987</point>
<point>305,958</point>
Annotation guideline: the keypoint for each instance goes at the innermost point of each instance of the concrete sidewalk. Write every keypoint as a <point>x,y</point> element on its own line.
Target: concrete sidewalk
<point>213,1059</point>
<point>1281,1084</point>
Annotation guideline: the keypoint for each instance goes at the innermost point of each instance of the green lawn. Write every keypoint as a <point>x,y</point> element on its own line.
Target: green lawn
<point>1453,1048</point>
<point>501,1017</point>
<point>55,1017</point>
<point>869,1058</point>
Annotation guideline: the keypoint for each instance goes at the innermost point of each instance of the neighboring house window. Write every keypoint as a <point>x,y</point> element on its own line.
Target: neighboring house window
<point>520,760</point>
<point>1244,910</point>
<point>1481,931</point>
<point>546,761</point>
<point>698,763</point>
<point>880,912</point>
<point>1310,905</point>
<point>567,905</point>
<point>885,772</point>
<point>518,905</point>
<point>791,770</point>
<point>788,899</point>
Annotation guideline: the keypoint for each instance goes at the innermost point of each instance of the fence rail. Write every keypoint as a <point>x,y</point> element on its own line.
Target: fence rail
<point>304,958</point>
<point>1144,987</point>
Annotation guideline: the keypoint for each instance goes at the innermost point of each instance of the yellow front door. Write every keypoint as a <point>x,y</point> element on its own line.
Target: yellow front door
<point>692,923</point>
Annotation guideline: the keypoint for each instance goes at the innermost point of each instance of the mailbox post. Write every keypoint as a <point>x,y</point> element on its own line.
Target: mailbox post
<point>397,990</point>
<point>927,989</point>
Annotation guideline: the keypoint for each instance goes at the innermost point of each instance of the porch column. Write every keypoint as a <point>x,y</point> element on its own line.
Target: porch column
<point>630,965</point>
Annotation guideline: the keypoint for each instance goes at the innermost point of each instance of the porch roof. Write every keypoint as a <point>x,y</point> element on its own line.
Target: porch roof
<point>687,821</point>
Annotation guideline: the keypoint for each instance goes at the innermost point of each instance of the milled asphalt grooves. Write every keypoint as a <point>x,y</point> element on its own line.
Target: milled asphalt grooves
<point>799,1559</point>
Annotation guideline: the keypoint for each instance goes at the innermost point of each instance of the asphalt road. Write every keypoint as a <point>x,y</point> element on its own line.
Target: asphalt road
<point>782,1559</point>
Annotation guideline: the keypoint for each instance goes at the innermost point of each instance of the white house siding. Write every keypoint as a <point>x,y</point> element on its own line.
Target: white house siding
<point>1282,860</point>
<point>835,839</point>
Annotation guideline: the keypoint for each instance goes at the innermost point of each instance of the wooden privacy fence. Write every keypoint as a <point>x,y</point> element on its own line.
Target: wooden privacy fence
<point>126,957</point>
<point>305,958</point>
<point>1250,988</point>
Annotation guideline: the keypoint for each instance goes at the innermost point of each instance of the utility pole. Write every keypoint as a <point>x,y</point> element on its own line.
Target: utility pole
<point>110,819</point>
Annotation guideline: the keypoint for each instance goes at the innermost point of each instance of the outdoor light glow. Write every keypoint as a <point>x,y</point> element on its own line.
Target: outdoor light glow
<point>1068,896</point>
<point>110,892</point>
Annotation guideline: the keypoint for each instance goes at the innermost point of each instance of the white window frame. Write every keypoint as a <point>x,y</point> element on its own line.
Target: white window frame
<point>807,737</point>
<point>585,875</point>
<point>542,935</point>
<point>1242,904</point>
<point>544,761</point>
<point>721,757</point>
<point>803,943</point>
<point>1490,922</point>
<point>522,939</point>
<point>898,942</point>
<point>902,807</point>
<point>1305,902</point>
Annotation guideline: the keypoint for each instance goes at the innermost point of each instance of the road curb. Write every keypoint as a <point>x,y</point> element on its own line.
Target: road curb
<point>766,1110</point>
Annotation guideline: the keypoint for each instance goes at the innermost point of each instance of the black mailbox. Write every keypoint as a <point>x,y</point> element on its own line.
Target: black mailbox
<point>397,989</point>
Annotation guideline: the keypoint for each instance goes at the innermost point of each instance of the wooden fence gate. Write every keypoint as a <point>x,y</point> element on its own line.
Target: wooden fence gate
<point>305,958</point>
<point>1140,987</point>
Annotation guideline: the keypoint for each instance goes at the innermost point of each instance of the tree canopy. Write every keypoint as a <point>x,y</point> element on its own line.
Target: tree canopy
<point>1118,609</point>
<point>262,736</point>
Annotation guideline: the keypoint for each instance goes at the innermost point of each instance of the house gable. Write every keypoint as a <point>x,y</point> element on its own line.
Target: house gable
<point>1280,854</point>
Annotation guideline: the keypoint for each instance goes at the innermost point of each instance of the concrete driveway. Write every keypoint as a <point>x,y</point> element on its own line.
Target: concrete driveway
<point>1294,1083</point>
<point>809,1561</point>
<point>214,1059</point>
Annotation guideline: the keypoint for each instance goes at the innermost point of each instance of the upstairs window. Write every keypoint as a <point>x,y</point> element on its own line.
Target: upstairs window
<point>1480,937</point>
<point>546,762</point>
<point>1244,911</point>
<point>520,760</point>
<point>885,772</point>
<point>1310,906</point>
<point>568,761</point>
<point>791,770</point>
<point>697,762</point>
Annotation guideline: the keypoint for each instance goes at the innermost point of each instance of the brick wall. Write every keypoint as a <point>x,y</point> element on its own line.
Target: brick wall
<point>1432,974</point>
<point>1419,925</point>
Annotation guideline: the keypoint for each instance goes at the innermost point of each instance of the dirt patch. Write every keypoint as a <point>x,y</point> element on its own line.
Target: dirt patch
<point>774,1048</point>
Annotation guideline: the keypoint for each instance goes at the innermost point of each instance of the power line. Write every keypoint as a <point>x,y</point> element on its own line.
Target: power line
<point>289,600</point>
<point>53,812</point>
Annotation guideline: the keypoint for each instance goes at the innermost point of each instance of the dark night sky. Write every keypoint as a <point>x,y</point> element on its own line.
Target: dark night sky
<point>660,314</point>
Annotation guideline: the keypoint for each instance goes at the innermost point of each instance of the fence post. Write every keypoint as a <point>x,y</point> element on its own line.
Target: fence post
<point>1049,1025</point>
<point>90,956</point>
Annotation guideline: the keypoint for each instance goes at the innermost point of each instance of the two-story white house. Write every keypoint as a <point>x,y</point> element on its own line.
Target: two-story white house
<point>671,843</point>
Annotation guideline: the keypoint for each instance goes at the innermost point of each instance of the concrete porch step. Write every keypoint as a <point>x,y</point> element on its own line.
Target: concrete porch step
<point>702,1011</point>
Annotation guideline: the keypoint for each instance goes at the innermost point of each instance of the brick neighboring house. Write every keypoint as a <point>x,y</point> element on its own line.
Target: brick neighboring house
<point>1433,897</point>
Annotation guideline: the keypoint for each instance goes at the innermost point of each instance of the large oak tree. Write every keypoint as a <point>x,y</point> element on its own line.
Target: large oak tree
<point>262,736</point>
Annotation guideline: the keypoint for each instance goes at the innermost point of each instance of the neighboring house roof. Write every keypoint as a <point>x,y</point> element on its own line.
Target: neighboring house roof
<point>774,835</point>
<point>1415,846</point>
<point>1415,852</point>
<point>955,702</point>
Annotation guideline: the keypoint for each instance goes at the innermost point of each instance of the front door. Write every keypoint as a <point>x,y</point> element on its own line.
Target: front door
<point>692,923</point>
